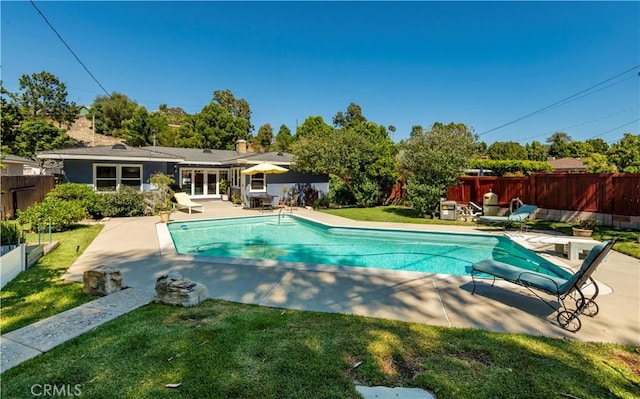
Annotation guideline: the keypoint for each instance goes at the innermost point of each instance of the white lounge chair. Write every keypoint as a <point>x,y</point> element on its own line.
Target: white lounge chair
<point>184,202</point>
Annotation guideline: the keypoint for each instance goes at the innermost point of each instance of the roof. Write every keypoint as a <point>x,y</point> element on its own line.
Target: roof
<point>167,154</point>
<point>10,158</point>
<point>568,164</point>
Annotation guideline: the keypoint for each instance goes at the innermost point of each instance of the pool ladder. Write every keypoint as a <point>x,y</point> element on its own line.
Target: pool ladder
<point>280,214</point>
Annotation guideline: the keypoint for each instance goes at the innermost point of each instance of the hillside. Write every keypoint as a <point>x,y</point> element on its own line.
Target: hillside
<point>82,132</point>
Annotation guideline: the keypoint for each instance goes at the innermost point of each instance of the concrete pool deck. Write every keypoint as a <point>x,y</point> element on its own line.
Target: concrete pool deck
<point>131,244</point>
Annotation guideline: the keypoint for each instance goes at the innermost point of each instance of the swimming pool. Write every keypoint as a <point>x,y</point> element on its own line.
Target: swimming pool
<point>290,238</point>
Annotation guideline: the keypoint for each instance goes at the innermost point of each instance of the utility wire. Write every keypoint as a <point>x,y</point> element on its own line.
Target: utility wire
<point>563,101</point>
<point>68,48</point>
<point>615,128</point>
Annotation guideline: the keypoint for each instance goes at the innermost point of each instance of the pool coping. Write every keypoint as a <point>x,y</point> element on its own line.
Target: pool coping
<point>132,245</point>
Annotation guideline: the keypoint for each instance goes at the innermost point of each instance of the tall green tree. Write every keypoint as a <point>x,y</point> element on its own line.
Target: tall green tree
<point>625,154</point>
<point>506,150</point>
<point>600,146</point>
<point>35,135</point>
<point>111,112</point>
<point>580,149</point>
<point>352,116</point>
<point>43,95</point>
<point>264,136</point>
<point>433,161</point>
<point>598,163</point>
<point>284,139</point>
<point>559,145</point>
<point>213,127</point>
<point>173,115</point>
<point>237,107</point>
<point>536,151</point>
<point>146,128</point>
<point>312,125</point>
<point>10,118</point>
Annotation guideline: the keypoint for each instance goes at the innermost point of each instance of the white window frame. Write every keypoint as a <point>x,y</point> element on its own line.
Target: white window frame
<point>264,185</point>
<point>119,179</point>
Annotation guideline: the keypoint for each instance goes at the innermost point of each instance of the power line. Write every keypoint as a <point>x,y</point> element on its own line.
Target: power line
<point>582,123</point>
<point>557,103</point>
<point>68,48</point>
<point>615,128</point>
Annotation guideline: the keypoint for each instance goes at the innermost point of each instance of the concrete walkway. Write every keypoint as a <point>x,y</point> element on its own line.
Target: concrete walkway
<point>132,245</point>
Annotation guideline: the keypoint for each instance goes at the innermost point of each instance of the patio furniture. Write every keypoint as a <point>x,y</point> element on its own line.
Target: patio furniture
<point>184,202</point>
<point>573,247</point>
<point>572,287</point>
<point>520,216</point>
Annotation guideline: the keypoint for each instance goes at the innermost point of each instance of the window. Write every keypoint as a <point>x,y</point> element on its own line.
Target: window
<point>109,177</point>
<point>257,182</point>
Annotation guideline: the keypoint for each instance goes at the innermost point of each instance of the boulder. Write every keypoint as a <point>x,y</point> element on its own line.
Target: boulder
<point>173,289</point>
<point>102,280</point>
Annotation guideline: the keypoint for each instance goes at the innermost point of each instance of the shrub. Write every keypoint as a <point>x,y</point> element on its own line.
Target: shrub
<point>93,202</point>
<point>60,213</point>
<point>321,202</point>
<point>125,202</point>
<point>10,234</point>
<point>512,167</point>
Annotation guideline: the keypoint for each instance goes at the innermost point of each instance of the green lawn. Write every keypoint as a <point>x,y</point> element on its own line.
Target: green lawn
<point>222,350</point>
<point>38,292</point>
<point>629,240</point>
<point>226,350</point>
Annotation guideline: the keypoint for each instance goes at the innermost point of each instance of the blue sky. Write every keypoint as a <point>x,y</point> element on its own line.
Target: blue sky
<point>412,63</point>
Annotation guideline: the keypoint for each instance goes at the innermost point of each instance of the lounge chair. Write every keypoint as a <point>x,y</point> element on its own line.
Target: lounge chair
<point>184,202</point>
<point>562,288</point>
<point>520,216</point>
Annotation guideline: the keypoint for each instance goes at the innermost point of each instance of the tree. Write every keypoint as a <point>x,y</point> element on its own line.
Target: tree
<point>352,116</point>
<point>213,127</point>
<point>600,146</point>
<point>536,151</point>
<point>625,154</point>
<point>284,139</point>
<point>392,129</point>
<point>360,154</point>
<point>264,136</point>
<point>173,115</point>
<point>506,150</point>
<point>44,96</point>
<point>110,113</point>
<point>237,107</point>
<point>433,160</point>
<point>37,135</point>
<point>598,163</point>
<point>559,145</point>
<point>146,128</point>
<point>10,117</point>
<point>579,149</point>
<point>312,125</point>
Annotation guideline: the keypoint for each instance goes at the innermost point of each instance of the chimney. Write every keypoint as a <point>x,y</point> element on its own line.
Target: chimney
<point>241,146</point>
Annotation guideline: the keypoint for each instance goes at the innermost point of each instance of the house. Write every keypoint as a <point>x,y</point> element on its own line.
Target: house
<point>13,165</point>
<point>567,165</point>
<point>197,172</point>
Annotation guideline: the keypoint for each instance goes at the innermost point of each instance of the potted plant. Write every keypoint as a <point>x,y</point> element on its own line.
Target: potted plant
<point>584,226</point>
<point>162,184</point>
<point>224,189</point>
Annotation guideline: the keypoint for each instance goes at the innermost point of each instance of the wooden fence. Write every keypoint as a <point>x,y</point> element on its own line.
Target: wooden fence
<point>608,193</point>
<point>20,192</point>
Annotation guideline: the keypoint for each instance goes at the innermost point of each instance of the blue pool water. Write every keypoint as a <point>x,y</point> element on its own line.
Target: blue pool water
<point>294,239</point>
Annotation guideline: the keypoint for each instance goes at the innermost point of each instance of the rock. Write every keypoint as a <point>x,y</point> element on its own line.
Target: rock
<point>173,289</point>
<point>102,280</point>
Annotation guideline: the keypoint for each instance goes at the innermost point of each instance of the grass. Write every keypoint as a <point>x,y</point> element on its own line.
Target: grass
<point>628,239</point>
<point>221,350</point>
<point>38,292</point>
<point>227,350</point>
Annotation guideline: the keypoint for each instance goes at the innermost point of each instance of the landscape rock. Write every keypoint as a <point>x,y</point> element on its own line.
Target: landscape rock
<point>174,289</point>
<point>102,280</point>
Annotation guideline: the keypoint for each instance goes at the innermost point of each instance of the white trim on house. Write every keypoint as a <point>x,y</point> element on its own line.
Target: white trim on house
<point>106,158</point>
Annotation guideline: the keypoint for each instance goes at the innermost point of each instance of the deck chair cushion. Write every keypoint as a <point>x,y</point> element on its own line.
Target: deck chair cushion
<point>541,281</point>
